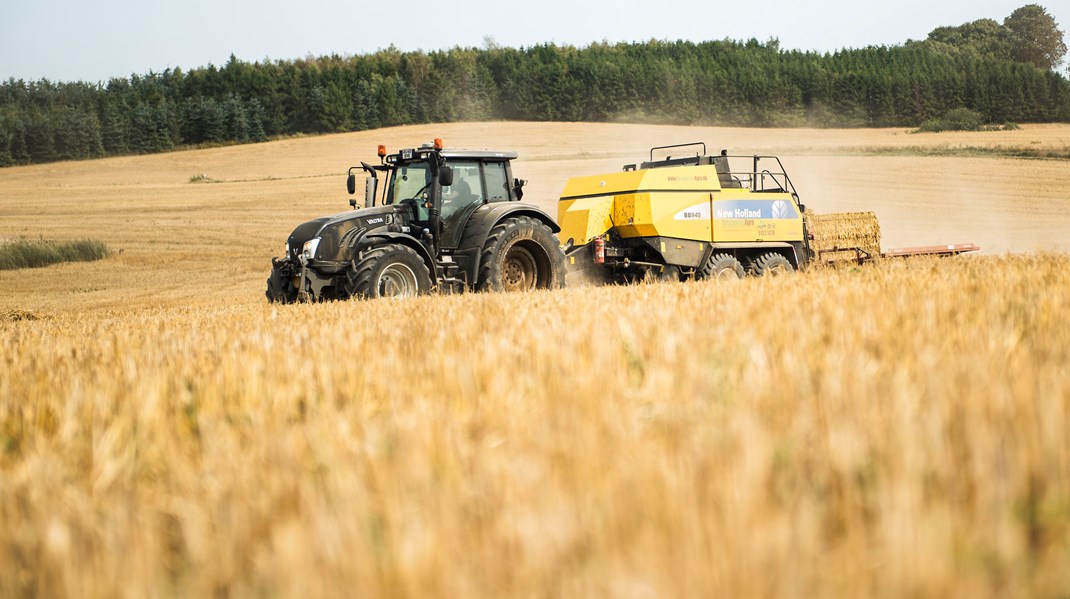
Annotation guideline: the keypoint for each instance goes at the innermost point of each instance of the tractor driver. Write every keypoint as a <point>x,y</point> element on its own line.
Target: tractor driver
<point>459,193</point>
<point>456,197</point>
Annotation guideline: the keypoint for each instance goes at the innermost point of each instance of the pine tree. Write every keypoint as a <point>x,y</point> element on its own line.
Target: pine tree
<point>237,122</point>
<point>20,150</point>
<point>114,130</point>
<point>332,108</point>
<point>77,133</point>
<point>256,121</point>
<point>39,137</point>
<point>5,146</point>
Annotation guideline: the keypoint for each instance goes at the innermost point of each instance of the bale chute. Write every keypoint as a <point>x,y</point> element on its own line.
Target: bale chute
<point>844,235</point>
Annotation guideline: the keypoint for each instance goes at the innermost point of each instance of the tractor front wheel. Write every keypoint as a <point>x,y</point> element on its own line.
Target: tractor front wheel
<point>521,254</point>
<point>280,285</point>
<point>391,270</point>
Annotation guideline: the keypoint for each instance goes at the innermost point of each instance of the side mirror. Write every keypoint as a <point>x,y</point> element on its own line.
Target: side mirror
<point>351,184</point>
<point>445,176</point>
<point>518,186</point>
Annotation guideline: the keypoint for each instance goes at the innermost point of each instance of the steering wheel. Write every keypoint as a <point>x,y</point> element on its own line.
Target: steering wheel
<point>416,196</point>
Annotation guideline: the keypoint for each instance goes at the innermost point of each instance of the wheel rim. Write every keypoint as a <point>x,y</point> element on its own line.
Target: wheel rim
<point>726,274</point>
<point>398,280</point>
<point>776,267</point>
<point>520,271</point>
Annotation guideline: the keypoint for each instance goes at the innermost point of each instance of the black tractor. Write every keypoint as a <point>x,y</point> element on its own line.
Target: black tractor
<point>447,220</point>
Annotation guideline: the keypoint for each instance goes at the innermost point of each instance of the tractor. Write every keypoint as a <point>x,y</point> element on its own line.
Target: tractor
<point>448,220</point>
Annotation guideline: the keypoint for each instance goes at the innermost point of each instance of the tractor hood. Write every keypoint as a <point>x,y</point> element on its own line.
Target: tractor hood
<point>339,232</point>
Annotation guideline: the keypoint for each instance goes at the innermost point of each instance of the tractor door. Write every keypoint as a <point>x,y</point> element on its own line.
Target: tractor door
<point>474,183</point>
<point>409,184</point>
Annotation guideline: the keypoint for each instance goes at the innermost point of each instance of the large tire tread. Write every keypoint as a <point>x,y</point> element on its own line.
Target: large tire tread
<point>771,264</point>
<point>720,266</point>
<point>361,279</point>
<point>504,236</point>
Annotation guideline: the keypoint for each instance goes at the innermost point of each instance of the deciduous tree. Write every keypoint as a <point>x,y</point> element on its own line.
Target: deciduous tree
<point>1037,37</point>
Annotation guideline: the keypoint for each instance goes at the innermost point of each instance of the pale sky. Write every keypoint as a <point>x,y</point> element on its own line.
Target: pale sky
<point>69,40</point>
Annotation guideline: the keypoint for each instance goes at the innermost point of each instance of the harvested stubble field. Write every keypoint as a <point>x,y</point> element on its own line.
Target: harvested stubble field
<point>899,429</point>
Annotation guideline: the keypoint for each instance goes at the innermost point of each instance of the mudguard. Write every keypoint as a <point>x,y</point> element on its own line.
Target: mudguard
<point>487,216</point>
<point>376,238</point>
<point>478,228</point>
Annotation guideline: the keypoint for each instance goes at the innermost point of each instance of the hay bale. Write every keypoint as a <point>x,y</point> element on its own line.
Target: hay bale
<point>838,233</point>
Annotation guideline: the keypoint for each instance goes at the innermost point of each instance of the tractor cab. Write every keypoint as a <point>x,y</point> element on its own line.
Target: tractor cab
<point>457,182</point>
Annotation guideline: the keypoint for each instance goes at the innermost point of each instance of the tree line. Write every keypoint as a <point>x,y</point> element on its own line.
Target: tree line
<point>741,83</point>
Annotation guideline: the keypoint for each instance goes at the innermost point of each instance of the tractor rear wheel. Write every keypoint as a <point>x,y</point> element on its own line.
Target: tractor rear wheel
<point>721,267</point>
<point>521,254</point>
<point>391,270</point>
<point>772,264</point>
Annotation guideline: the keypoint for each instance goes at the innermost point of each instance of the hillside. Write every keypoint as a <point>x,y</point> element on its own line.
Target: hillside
<point>185,243</point>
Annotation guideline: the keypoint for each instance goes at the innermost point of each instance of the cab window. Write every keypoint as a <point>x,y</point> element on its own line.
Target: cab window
<point>410,181</point>
<point>497,182</point>
<point>466,190</point>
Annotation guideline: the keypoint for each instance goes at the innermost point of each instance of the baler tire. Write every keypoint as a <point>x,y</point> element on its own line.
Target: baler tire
<point>721,267</point>
<point>669,274</point>
<point>772,264</point>
<point>390,270</point>
<point>521,254</point>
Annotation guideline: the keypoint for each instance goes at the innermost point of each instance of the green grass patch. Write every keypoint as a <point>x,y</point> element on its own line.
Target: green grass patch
<point>962,119</point>
<point>971,151</point>
<point>207,179</point>
<point>26,253</point>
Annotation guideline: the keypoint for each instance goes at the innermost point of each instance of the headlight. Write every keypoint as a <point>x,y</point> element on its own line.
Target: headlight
<point>309,251</point>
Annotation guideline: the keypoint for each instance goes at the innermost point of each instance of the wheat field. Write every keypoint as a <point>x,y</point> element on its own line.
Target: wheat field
<point>897,429</point>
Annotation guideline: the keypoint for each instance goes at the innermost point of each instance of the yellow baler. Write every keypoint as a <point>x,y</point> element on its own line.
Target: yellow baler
<point>685,217</point>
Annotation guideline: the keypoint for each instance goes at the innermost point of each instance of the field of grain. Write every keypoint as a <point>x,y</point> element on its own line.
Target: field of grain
<point>899,429</point>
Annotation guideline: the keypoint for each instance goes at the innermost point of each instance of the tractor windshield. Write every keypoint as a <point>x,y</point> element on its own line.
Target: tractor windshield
<point>409,181</point>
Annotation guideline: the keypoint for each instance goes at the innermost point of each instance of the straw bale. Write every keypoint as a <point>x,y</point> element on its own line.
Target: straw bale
<point>845,230</point>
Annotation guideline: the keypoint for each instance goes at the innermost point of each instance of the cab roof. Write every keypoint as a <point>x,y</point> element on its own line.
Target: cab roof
<point>459,154</point>
<point>422,153</point>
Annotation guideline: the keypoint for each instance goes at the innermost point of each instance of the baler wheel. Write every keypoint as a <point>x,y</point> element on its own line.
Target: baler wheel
<point>771,264</point>
<point>721,267</point>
